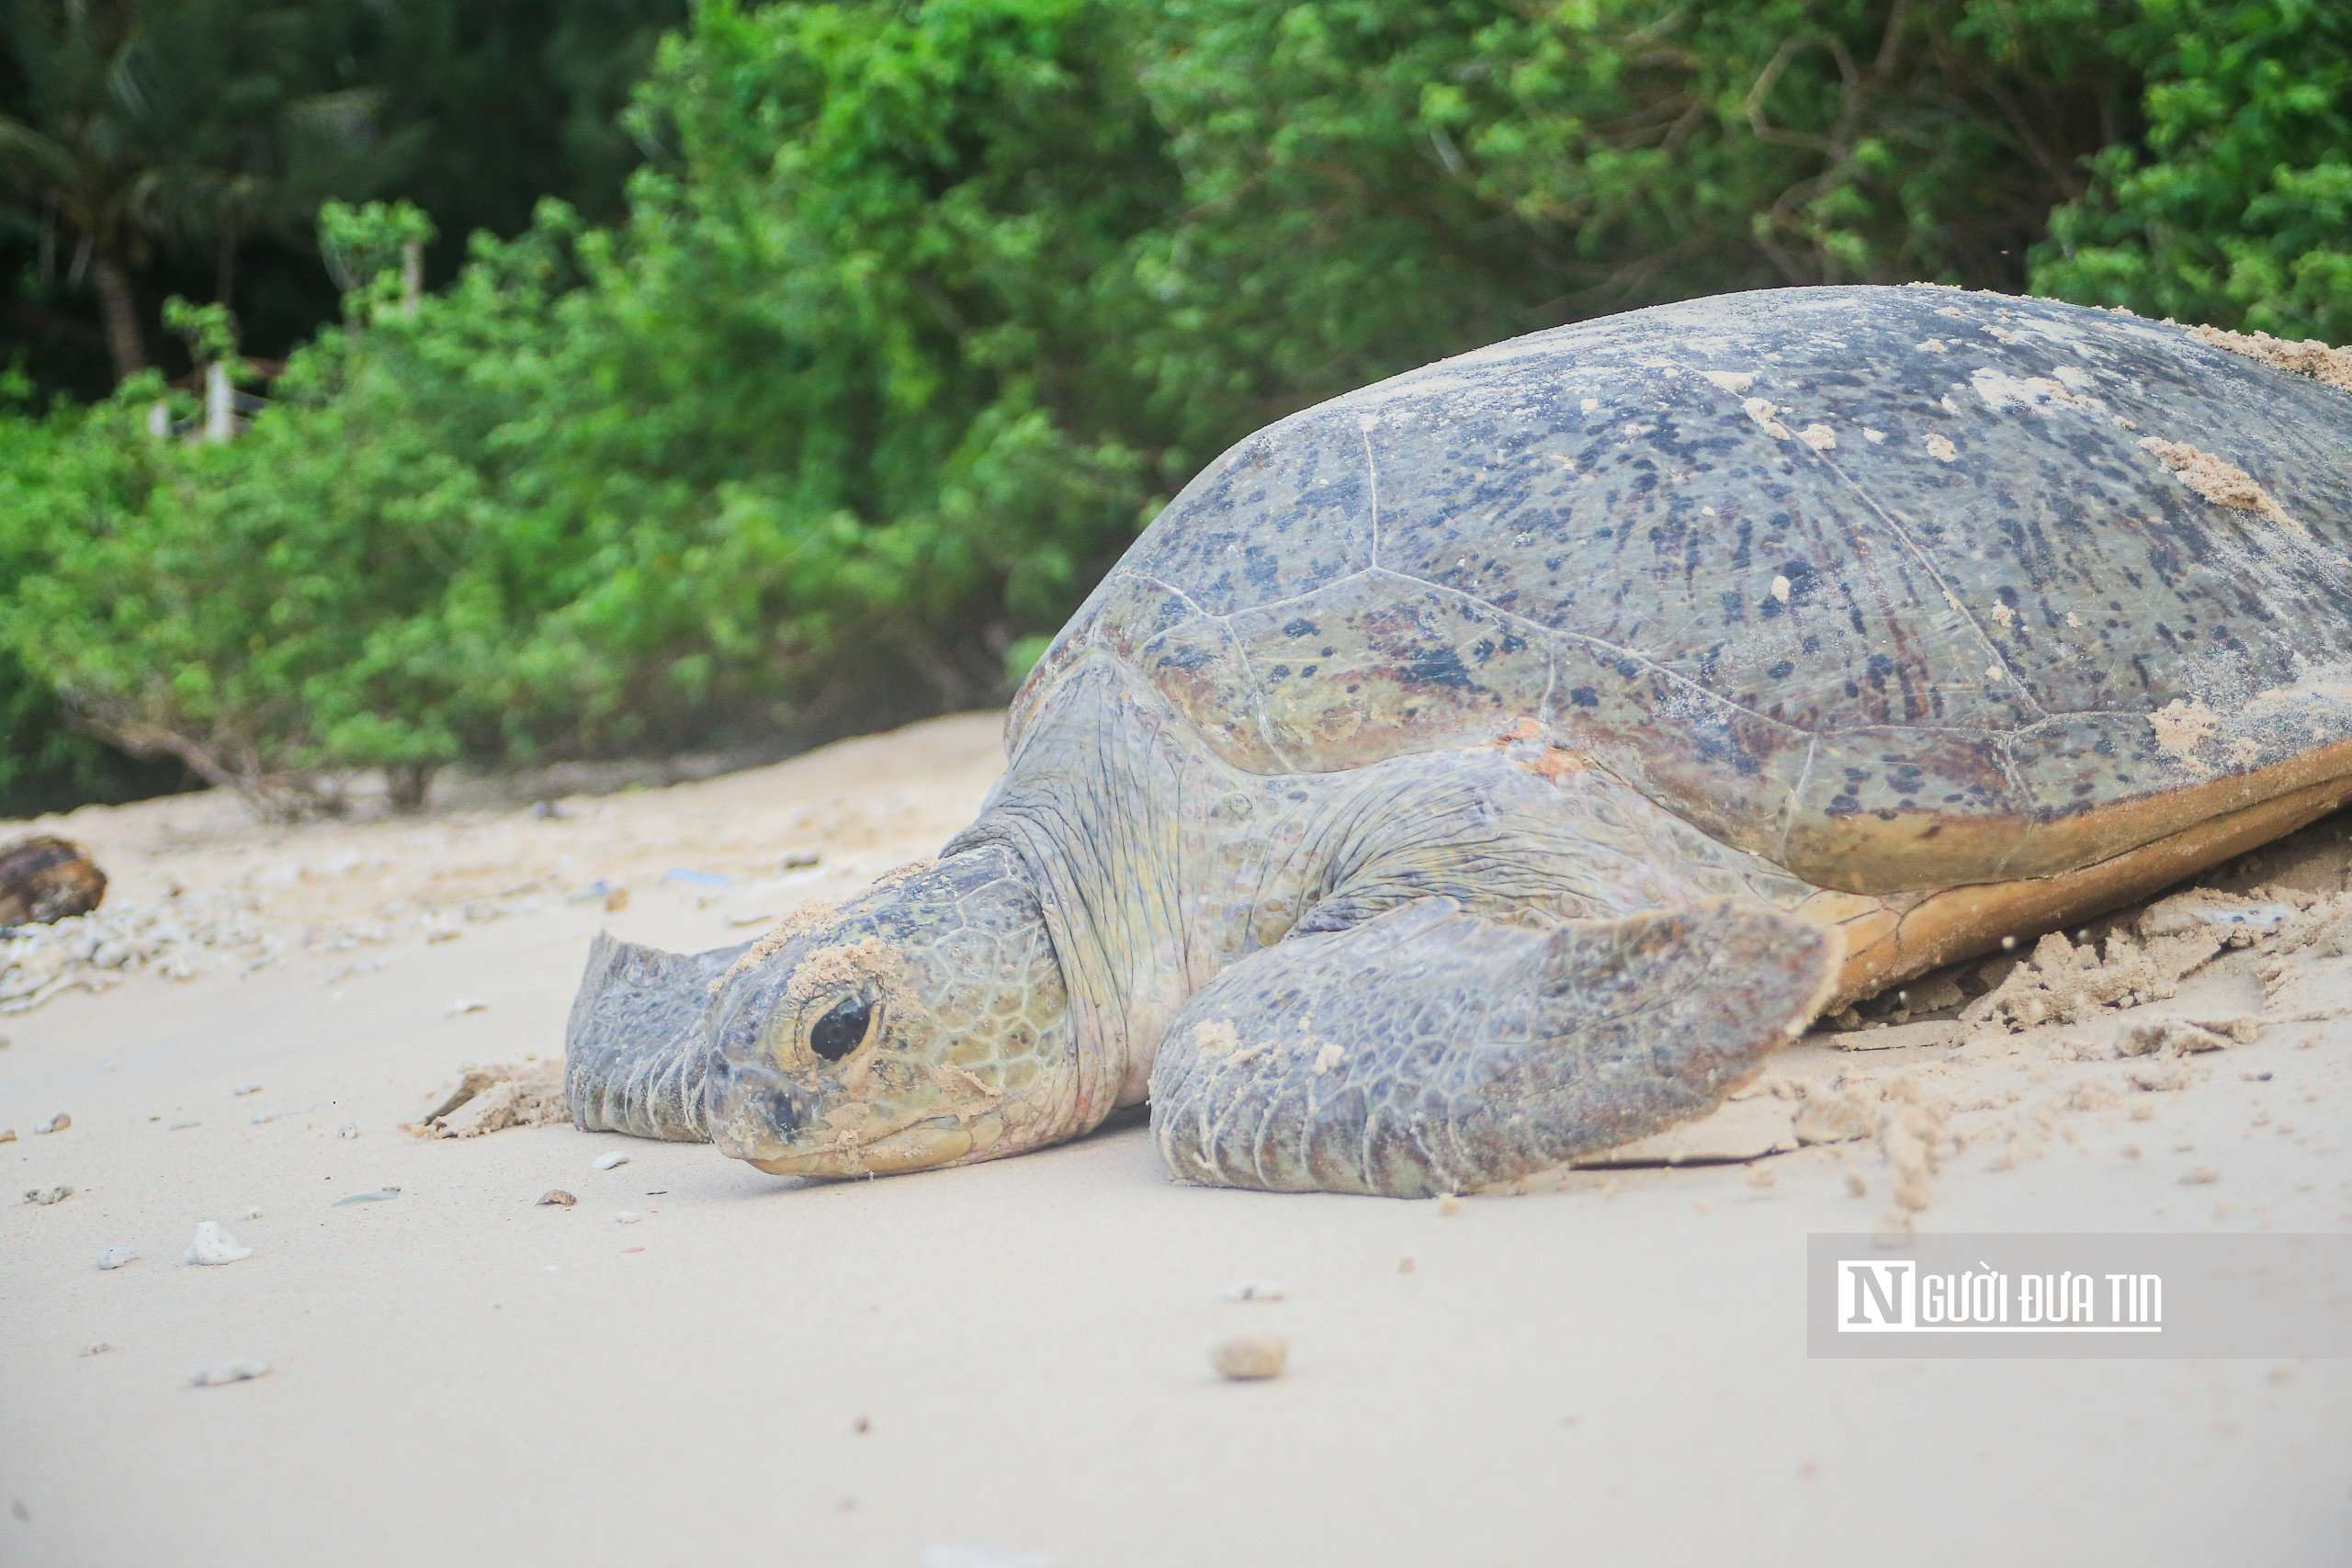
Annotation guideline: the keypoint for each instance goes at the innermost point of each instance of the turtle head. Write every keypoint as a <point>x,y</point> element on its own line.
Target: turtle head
<point>922,1023</point>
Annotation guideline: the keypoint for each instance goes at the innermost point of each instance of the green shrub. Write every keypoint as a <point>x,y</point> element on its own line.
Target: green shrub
<point>920,309</point>
<point>1374,182</point>
<point>47,486</point>
<point>838,408</point>
<point>2233,206</point>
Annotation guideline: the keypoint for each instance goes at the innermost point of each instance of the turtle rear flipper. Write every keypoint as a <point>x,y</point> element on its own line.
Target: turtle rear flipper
<point>1428,1051</point>
<point>636,1051</point>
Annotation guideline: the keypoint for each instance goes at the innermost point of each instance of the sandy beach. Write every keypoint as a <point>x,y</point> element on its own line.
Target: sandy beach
<point>697,1363</point>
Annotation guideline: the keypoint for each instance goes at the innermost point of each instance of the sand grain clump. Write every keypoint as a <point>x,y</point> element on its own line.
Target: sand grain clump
<point>808,916</point>
<point>2309,356</point>
<point>494,1098</point>
<point>2217,479</point>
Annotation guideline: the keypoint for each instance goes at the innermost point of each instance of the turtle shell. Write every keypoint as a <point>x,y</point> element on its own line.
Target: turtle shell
<point>1900,588</point>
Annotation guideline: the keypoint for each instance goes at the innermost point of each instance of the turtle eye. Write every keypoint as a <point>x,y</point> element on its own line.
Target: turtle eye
<point>844,1030</point>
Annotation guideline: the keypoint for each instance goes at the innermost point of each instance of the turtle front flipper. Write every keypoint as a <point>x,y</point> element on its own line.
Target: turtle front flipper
<point>1428,1051</point>
<point>636,1050</point>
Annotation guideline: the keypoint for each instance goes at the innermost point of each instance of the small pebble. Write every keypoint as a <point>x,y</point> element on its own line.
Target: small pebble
<point>2201,1175</point>
<point>116,1256</point>
<point>1449,1204</point>
<point>1249,1358</point>
<point>57,1123</point>
<point>252,1210</point>
<point>45,1196</point>
<point>627,1217</point>
<point>612,1161</point>
<point>1254,1291</point>
<point>221,1373</point>
<point>100,1349</point>
<point>348,1130</point>
<point>380,1195</point>
<point>1759,1177</point>
<point>557,1198</point>
<point>244,1088</point>
<point>459,1008</point>
<point>214,1245</point>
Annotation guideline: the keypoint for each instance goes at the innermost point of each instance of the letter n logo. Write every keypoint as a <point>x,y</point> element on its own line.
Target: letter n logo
<point>1875,1296</point>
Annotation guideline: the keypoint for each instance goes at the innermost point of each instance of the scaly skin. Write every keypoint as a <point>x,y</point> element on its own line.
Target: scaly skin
<point>1428,1051</point>
<point>1024,983</point>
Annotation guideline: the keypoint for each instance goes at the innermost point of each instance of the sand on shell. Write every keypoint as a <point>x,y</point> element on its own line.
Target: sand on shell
<point>1607,1367</point>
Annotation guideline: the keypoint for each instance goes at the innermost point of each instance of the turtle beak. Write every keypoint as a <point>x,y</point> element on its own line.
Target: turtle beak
<point>757,1117</point>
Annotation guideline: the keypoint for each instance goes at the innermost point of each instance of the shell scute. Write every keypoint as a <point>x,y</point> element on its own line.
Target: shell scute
<point>1882,583</point>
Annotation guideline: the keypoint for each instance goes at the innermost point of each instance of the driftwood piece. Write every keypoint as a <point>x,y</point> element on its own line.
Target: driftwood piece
<point>44,879</point>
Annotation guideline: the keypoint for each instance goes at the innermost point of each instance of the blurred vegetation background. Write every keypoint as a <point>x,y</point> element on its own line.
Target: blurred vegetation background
<point>615,375</point>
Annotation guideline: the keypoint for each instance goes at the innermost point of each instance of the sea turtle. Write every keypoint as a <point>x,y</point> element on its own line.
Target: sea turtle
<point>1492,765</point>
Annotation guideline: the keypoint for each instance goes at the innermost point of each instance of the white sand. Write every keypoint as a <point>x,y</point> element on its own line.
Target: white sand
<point>1608,1369</point>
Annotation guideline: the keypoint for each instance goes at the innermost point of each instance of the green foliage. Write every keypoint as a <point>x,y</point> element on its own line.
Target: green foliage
<point>2235,205</point>
<point>45,763</point>
<point>835,414</point>
<point>918,309</point>
<point>1372,183</point>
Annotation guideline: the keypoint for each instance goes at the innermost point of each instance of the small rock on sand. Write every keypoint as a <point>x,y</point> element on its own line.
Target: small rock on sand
<point>57,1123</point>
<point>116,1256</point>
<point>611,1161</point>
<point>44,1196</point>
<point>220,1372</point>
<point>1250,1357</point>
<point>2185,1037</point>
<point>214,1245</point>
<point>2159,1077</point>
<point>2200,1176</point>
<point>491,1098</point>
<point>1834,1116</point>
<point>627,1217</point>
<point>1449,1203</point>
<point>557,1198</point>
